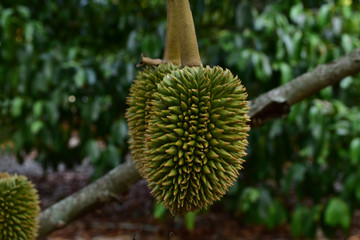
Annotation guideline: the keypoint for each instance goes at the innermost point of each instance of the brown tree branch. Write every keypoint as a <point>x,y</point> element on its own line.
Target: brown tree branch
<point>272,104</point>
<point>96,194</point>
<point>277,102</point>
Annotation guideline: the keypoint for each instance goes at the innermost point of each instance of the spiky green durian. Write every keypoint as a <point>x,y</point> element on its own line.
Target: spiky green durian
<point>19,208</point>
<point>196,137</point>
<point>139,106</point>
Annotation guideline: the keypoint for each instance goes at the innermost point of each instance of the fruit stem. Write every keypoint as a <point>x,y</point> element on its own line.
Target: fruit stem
<point>189,50</point>
<point>172,44</point>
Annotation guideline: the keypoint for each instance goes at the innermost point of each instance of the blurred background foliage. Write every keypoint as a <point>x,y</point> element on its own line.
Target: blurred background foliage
<point>66,68</point>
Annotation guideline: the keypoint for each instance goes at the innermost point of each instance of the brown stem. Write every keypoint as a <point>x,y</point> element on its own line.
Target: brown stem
<point>277,102</point>
<point>146,61</point>
<point>188,44</point>
<point>172,44</point>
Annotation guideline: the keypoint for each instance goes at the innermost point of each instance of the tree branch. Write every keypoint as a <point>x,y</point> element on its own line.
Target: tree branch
<point>89,198</point>
<point>276,103</point>
<point>272,104</point>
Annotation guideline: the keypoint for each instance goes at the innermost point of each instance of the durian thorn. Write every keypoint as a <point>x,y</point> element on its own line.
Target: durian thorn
<point>189,50</point>
<point>172,44</point>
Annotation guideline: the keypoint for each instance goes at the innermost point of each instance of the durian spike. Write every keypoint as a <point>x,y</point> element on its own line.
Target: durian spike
<point>193,152</point>
<point>172,44</point>
<point>142,92</point>
<point>189,50</point>
<point>19,208</point>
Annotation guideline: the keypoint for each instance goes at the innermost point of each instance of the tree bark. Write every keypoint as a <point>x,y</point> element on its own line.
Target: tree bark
<point>277,102</point>
<point>96,194</point>
<point>272,104</point>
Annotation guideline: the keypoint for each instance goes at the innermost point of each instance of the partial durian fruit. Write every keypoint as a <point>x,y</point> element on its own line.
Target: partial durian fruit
<point>195,137</point>
<point>19,208</point>
<point>139,106</point>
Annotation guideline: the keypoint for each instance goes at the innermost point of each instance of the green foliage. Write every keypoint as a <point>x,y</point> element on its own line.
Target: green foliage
<point>256,205</point>
<point>304,221</point>
<point>355,151</point>
<point>190,219</point>
<point>66,74</point>
<point>313,154</point>
<point>159,211</point>
<point>337,213</point>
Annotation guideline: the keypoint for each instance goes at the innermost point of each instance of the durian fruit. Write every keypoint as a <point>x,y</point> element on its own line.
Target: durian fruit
<point>19,208</point>
<point>139,106</point>
<point>195,137</point>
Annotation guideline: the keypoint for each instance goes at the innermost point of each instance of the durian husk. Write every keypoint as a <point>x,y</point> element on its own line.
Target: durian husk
<point>19,208</point>
<point>139,101</point>
<point>195,136</point>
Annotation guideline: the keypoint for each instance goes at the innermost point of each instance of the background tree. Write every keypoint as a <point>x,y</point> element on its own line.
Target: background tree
<point>66,68</point>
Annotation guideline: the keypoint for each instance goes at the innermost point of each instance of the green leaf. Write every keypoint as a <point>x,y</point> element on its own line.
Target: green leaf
<point>327,93</point>
<point>38,108</point>
<point>357,191</point>
<point>303,221</point>
<point>286,73</point>
<point>72,53</point>
<point>131,42</point>
<point>337,213</point>
<point>295,175</point>
<point>276,214</point>
<point>324,15</point>
<point>17,105</point>
<point>52,112</point>
<point>91,76</point>
<point>93,151</point>
<point>346,43</point>
<point>288,42</point>
<point>95,109</point>
<point>243,15</point>
<point>119,132</point>
<point>111,156</point>
<point>248,197</point>
<point>297,14</point>
<point>24,11</point>
<point>264,202</point>
<point>159,211</point>
<point>266,66</point>
<point>29,30</point>
<point>36,126</point>
<point>355,151</point>
<point>190,219</point>
<point>80,77</point>
<point>346,82</point>
<point>5,17</point>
